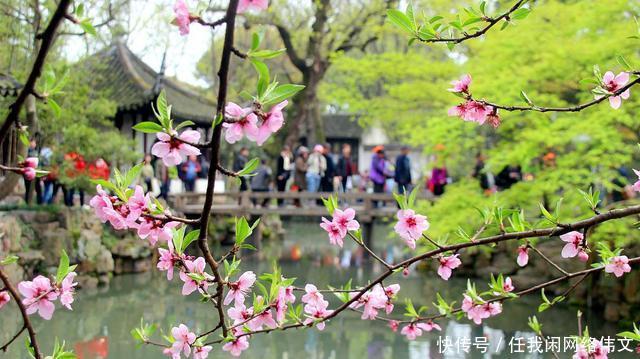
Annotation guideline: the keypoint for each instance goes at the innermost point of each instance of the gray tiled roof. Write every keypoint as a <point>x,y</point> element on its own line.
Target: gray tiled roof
<point>130,83</point>
<point>341,126</point>
<point>8,85</point>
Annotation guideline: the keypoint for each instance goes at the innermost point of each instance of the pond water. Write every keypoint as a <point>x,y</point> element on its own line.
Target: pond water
<point>100,323</point>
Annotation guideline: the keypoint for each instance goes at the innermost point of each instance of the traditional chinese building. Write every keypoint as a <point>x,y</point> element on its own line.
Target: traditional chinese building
<point>134,86</point>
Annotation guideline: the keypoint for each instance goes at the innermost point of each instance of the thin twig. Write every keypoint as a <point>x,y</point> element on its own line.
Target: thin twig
<point>23,311</point>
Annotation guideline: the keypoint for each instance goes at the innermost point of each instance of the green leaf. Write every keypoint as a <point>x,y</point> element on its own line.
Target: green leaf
<point>525,98</point>
<point>249,168</point>
<point>8,260</point>
<point>79,10</point>
<point>148,127</point>
<point>54,107</point>
<point>266,54</point>
<point>401,20</point>
<point>263,76</point>
<point>546,214</point>
<point>255,41</point>
<point>243,230</point>
<point>163,110</point>
<point>189,238</point>
<point>483,6</point>
<point>104,183</point>
<point>196,276</point>
<point>63,267</point>
<point>132,175</point>
<point>624,63</point>
<point>184,124</point>
<point>281,93</point>
<point>88,27</point>
<point>520,14</point>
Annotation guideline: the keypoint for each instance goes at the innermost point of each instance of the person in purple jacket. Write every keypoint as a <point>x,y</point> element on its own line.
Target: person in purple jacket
<point>378,169</point>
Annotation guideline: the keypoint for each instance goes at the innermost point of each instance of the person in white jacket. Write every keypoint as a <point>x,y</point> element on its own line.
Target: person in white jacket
<point>316,165</point>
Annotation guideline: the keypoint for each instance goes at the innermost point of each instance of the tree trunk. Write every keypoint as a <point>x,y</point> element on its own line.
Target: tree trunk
<point>10,180</point>
<point>307,119</point>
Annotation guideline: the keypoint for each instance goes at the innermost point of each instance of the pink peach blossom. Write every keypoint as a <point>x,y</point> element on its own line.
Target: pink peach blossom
<point>410,226</point>
<point>183,18</point>
<point>184,339</point>
<point>393,324</point>
<point>523,256</point>
<point>316,312</point>
<point>4,298</point>
<point>613,83</point>
<point>239,289</point>
<point>202,352</point>
<point>196,267</point>
<point>154,230</point>
<point>100,202</point>
<point>336,235</point>
<point>245,123</point>
<point>240,313</point>
<point>236,346</point>
<point>271,124</point>
<point>507,286</point>
<point>258,5</point>
<point>168,259</point>
<point>574,244</point>
<point>31,162</point>
<point>447,264</point>
<point>618,266</point>
<point>346,219</point>
<point>312,295</point>
<point>29,173</point>
<point>411,331</point>
<point>636,185</point>
<point>263,319</point>
<point>39,295</point>
<point>461,85</point>
<point>172,150</point>
<point>67,290</point>
<point>429,326</point>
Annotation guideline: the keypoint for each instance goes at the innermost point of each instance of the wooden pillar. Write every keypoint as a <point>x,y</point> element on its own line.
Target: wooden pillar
<point>367,224</point>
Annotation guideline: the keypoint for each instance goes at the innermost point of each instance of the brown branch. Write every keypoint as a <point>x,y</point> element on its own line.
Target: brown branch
<point>577,108</point>
<point>366,248</point>
<point>223,74</point>
<point>213,24</point>
<point>227,172</point>
<point>169,218</point>
<point>25,317</point>
<point>546,259</point>
<point>491,22</point>
<point>47,41</point>
<point>295,59</point>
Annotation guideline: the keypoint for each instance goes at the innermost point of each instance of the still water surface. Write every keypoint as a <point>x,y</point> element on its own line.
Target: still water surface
<point>100,323</point>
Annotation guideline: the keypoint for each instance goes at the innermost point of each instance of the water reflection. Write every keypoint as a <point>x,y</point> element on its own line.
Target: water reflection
<point>101,321</point>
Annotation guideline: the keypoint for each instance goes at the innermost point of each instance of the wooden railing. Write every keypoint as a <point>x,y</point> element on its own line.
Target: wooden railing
<point>368,205</point>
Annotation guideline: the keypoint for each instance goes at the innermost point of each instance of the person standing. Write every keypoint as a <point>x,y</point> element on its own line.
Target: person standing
<point>147,173</point>
<point>345,167</point>
<point>438,180</point>
<point>164,176</point>
<point>403,171</point>
<point>316,167</point>
<point>300,172</point>
<point>378,169</point>
<point>190,169</point>
<point>326,183</point>
<point>238,164</point>
<point>261,180</point>
<point>284,166</point>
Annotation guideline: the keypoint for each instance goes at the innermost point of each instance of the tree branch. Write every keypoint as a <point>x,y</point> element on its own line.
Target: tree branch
<point>47,41</point>
<point>25,317</point>
<point>491,22</point>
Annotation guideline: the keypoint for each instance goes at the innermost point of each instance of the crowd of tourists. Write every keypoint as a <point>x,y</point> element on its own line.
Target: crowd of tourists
<point>319,169</point>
